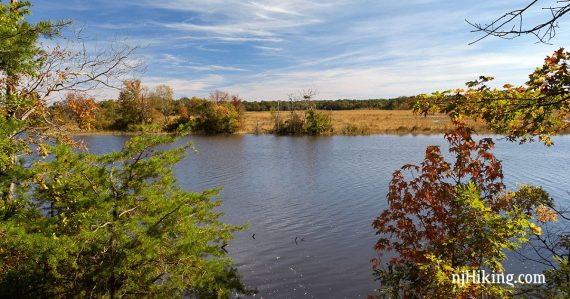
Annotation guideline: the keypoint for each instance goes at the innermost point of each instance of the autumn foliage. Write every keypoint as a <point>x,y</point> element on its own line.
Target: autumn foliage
<point>540,108</point>
<point>84,109</point>
<point>446,217</point>
<point>221,114</point>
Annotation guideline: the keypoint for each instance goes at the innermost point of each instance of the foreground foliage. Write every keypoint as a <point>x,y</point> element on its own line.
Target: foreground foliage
<point>113,225</point>
<point>446,218</point>
<point>539,109</point>
<point>74,224</point>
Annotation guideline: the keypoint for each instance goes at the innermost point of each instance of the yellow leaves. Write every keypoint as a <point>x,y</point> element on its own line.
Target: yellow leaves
<point>38,179</point>
<point>64,219</point>
<point>83,108</point>
<point>536,229</point>
<point>546,140</point>
<point>43,150</point>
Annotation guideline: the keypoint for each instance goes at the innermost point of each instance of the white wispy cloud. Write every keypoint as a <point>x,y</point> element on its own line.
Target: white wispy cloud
<point>229,29</point>
<point>197,86</point>
<point>265,49</point>
<point>229,39</point>
<point>269,51</point>
<point>169,58</point>
<point>240,21</point>
<point>275,9</point>
<point>216,68</point>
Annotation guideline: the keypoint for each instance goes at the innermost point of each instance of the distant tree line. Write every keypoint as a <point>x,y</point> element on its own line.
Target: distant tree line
<point>139,108</point>
<point>399,103</point>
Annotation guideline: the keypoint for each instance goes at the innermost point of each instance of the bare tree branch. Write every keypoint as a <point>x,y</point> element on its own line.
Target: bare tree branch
<point>512,24</point>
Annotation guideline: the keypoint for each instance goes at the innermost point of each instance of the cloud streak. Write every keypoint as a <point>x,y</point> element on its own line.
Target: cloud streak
<point>265,49</point>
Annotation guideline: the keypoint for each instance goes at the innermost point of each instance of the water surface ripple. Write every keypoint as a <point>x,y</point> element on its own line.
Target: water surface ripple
<point>310,201</point>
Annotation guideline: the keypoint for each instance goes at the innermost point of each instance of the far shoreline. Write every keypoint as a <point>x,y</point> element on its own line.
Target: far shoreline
<point>344,123</point>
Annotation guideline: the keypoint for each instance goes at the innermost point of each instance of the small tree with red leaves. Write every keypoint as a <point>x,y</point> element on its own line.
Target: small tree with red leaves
<point>446,218</point>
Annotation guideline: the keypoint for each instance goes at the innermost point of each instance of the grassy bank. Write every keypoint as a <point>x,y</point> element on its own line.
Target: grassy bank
<point>344,122</point>
<point>363,122</point>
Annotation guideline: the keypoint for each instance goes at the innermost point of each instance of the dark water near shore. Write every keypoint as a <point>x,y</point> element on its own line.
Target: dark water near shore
<point>310,201</point>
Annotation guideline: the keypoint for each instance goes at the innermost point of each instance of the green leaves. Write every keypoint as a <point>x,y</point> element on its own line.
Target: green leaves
<point>121,226</point>
<point>317,123</point>
<point>18,38</point>
<point>539,109</point>
<point>73,224</point>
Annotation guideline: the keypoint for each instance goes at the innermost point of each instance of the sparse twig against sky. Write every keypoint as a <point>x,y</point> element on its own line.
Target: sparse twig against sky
<point>514,23</point>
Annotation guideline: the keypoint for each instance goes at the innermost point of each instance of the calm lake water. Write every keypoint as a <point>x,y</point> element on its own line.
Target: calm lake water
<point>324,193</point>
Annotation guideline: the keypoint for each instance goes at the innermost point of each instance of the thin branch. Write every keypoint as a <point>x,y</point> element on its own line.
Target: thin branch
<point>511,24</point>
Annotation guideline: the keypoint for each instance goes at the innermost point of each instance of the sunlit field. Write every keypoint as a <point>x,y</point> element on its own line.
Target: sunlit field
<point>363,122</point>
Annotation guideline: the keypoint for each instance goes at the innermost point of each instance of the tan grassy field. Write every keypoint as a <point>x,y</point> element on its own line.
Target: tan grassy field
<point>362,122</point>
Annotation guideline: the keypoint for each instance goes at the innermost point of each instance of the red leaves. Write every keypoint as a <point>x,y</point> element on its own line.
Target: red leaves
<point>421,208</point>
<point>375,263</point>
<point>394,261</point>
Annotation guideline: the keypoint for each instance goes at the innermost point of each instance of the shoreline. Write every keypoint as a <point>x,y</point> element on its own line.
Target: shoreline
<point>344,123</point>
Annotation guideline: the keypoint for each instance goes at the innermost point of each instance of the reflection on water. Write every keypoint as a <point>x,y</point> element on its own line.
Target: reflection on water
<point>310,201</point>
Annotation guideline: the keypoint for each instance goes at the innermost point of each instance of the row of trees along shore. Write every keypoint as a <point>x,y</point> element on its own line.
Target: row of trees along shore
<point>139,108</point>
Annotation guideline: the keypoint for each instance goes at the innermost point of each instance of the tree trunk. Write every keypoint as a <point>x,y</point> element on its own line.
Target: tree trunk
<point>10,88</point>
<point>11,80</point>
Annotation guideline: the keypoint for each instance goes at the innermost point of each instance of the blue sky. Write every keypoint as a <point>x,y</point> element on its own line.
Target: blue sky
<point>266,49</point>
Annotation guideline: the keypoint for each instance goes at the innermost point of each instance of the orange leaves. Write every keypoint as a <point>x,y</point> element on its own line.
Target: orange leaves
<point>546,214</point>
<point>183,112</point>
<point>558,55</point>
<point>84,109</point>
